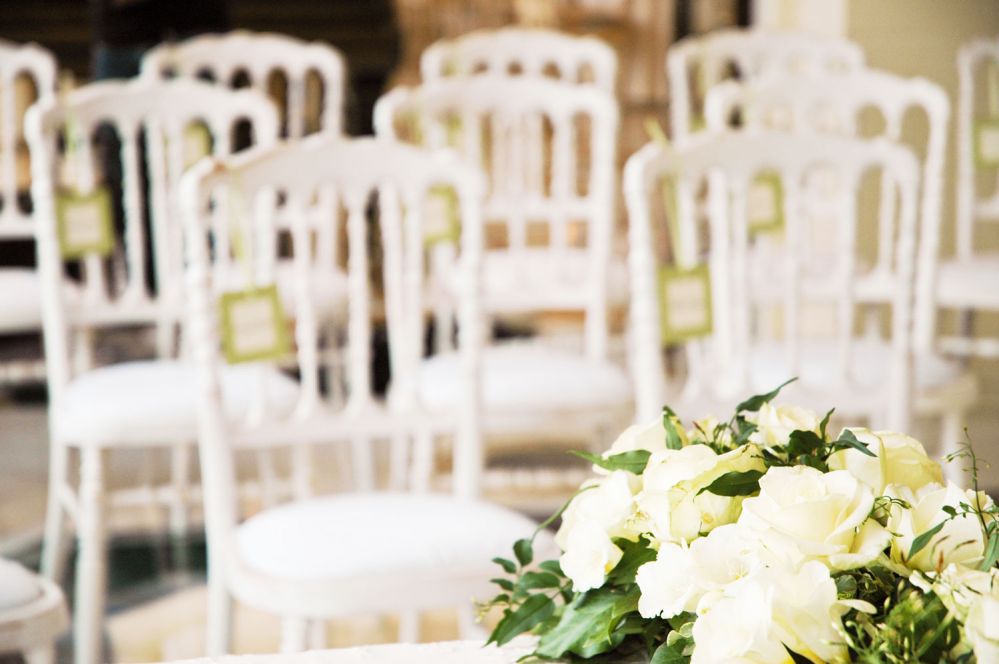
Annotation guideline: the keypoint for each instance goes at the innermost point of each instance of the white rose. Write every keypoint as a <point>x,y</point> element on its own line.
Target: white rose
<point>982,627</point>
<point>589,556</point>
<point>704,430</point>
<point>805,514</point>
<point>899,459</point>
<point>608,503</point>
<point>755,617</point>
<point>960,541</point>
<point>774,424</point>
<point>650,437</point>
<point>671,501</point>
<point>958,587</point>
<point>680,577</point>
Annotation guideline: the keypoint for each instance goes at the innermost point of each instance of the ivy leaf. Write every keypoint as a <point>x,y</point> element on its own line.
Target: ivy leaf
<point>920,542</point>
<point>585,617</point>
<point>795,657</point>
<point>669,654</point>
<point>673,439</point>
<point>802,442</point>
<point>824,423</point>
<point>508,566</point>
<point>505,584</point>
<point>534,580</point>
<point>524,551</point>
<point>846,587</point>
<point>633,462</point>
<point>735,483</point>
<point>991,552</point>
<point>848,440</point>
<point>528,615</point>
<point>753,404</point>
<point>633,556</point>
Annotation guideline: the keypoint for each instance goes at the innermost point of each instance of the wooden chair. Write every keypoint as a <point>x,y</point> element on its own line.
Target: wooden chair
<point>403,549</point>
<point>32,614</point>
<point>760,337</point>
<point>835,104</point>
<point>143,404</point>
<point>22,66</point>
<point>748,54</point>
<point>310,71</point>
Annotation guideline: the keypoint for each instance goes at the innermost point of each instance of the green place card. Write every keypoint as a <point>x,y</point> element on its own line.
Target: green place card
<point>685,303</point>
<point>986,137</point>
<point>83,223</point>
<point>441,220</point>
<point>765,204</point>
<point>197,143</point>
<point>253,325</point>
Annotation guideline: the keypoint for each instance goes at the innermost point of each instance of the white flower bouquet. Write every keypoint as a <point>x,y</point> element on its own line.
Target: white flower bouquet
<point>762,539</point>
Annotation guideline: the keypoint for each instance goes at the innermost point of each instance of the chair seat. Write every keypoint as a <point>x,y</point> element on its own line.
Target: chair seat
<point>361,534</point>
<point>156,401</point>
<point>18,586</point>
<point>969,283</point>
<point>22,300</point>
<point>522,377</point>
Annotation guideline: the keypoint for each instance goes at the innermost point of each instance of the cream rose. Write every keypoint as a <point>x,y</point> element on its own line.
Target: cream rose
<point>589,556</point>
<point>804,514</point>
<point>670,501</point>
<point>899,459</point>
<point>982,626</point>
<point>774,424</point>
<point>650,437</point>
<point>960,541</point>
<point>755,617</point>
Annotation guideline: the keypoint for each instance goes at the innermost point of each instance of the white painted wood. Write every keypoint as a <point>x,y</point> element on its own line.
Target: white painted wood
<point>740,353</point>
<point>702,61</point>
<point>113,292</point>
<point>31,628</point>
<point>533,52</point>
<point>359,171</point>
<point>259,56</point>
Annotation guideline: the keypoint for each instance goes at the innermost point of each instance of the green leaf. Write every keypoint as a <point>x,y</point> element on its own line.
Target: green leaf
<point>753,404</point>
<point>531,613</point>
<point>746,429</point>
<point>505,584</point>
<point>824,423</point>
<point>802,442</point>
<point>848,440</point>
<point>673,439</point>
<point>587,616</point>
<point>669,654</point>
<point>634,461</point>
<point>633,556</point>
<point>553,567</point>
<point>508,565</point>
<point>846,587</point>
<point>920,542</point>
<point>524,550</point>
<point>533,580</point>
<point>735,483</point>
<point>795,657</point>
<point>991,552</point>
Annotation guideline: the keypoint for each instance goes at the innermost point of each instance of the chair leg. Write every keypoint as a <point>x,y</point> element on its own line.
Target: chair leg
<point>219,629</point>
<point>409,627</point>
<point>91,566</point>
<point>40,655</point>
<point>317,635</point>
<point>54,545</point>
<point>951,434</point>
<point>294,634</point>
<point>468,627</point>
<point>180,463</point>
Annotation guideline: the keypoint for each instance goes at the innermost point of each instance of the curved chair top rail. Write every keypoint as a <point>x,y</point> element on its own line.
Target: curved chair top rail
<point>38,64</point>
<point>532,51</point>
<point>258,55</point>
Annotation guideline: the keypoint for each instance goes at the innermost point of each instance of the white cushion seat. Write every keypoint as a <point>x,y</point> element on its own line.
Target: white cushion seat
<point>361,534</point>
<point>972,283</point>
<point>18,586</point>
<point>21,298</point>
<point>155,401</point>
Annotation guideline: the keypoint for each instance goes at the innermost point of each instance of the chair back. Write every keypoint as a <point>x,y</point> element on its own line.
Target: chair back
<point>836,104</point>
<point>532,52</point>
<point>766,306</point>
<point>381,188</point>
<point>139,282</point>
<point>547,149</point>
<point>37,65</point>
<point>290,70</point>
<point>701,62</point>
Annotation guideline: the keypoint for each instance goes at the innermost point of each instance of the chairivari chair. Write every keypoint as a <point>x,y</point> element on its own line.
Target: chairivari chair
<point>396,551</point>
<point>145,404</point>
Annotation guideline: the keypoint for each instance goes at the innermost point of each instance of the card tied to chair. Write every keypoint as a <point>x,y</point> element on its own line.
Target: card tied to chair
<point>685,303</point>
<point>765,204</point>
<point>441,219</point>
<point>985,133</point>
<point>253,325</point>
<point>84,223</point>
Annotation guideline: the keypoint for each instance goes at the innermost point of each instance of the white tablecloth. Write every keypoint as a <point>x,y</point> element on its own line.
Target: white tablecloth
<point>451,652</point>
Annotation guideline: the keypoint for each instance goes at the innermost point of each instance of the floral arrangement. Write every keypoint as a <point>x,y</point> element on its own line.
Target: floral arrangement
<point>762,539</point>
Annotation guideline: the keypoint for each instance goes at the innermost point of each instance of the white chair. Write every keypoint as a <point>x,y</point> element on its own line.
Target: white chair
<point>20,312</point>
<point>262,56</point>
<point>516,51</point>
<point>401,550</point>
<point>967,281</point>
<point>32,614</point>
<point>138,404</point>
<point>835,104</point>
<point>758,342</point>
<point>533,392</point>
<point>711,58</point>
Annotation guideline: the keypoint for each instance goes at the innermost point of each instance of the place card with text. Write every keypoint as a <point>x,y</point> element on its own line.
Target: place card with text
<point>254,327</point>
<point>83,223</point>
